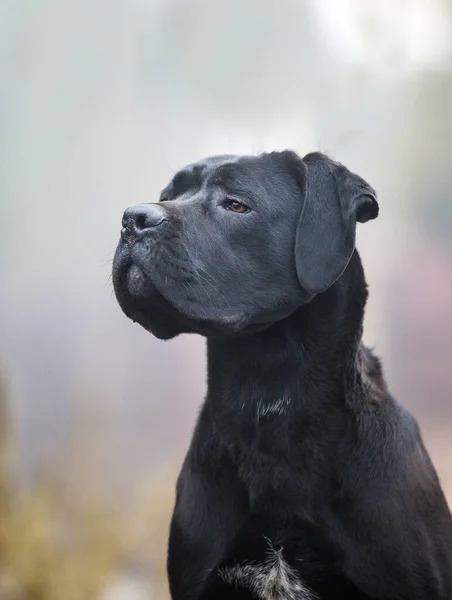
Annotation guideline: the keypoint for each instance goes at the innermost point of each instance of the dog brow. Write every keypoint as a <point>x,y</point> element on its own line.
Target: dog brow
<point>188,179</point>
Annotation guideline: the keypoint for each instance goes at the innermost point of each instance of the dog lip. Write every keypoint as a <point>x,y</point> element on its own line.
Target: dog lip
<point>138,285</point>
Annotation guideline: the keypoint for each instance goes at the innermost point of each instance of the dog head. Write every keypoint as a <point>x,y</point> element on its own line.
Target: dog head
<point>237,243</point>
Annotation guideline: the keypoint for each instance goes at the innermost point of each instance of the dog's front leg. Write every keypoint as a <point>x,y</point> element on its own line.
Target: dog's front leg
<point>189,562</point>
<point>208,514</point>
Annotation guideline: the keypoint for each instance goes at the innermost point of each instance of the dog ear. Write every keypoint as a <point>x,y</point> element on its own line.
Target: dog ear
<point>334,200</point>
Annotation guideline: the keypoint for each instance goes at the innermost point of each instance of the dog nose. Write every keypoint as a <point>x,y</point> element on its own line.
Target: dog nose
<point>142,216</point>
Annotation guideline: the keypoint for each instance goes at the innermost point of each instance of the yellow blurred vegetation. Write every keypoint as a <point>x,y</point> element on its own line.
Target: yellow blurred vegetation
<point>56,544</point>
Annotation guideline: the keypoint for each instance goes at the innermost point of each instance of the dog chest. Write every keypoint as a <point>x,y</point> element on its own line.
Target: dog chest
<point>271,579</point>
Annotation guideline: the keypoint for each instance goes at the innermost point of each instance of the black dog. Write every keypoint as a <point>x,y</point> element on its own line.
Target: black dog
<point>305,478</point>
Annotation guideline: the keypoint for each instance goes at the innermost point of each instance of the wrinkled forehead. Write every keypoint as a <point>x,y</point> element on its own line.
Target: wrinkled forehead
<point>193,176</point>
<point>250,175</point>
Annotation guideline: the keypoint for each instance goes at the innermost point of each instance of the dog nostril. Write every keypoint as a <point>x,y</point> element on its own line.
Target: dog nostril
<point>143,216</point>
<point>140,222</point>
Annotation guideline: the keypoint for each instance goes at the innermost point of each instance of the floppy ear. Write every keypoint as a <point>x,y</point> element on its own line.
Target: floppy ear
<point>334,200</point>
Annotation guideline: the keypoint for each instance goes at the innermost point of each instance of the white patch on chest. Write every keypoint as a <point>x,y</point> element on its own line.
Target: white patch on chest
<point>272,579</point>
<point>277,407</point>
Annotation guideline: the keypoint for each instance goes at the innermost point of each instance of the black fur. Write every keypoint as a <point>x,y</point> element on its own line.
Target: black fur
<point>299,448</point>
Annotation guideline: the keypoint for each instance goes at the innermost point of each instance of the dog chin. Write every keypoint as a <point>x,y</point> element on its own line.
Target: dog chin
<point>151,312</point>
<point>160,325</point>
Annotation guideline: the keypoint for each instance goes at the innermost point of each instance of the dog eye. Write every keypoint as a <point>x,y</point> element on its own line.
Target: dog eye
<point>236,206</point>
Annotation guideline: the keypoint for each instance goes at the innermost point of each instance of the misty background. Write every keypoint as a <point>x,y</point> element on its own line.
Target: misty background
<point>100,102</point>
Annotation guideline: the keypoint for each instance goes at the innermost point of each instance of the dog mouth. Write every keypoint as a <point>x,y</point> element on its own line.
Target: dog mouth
<point>141,301</point>
<point>144,304</point>
<point>134,291</point>
<point>142,293</point>
<point>138,285</point>
<point>158,310</point>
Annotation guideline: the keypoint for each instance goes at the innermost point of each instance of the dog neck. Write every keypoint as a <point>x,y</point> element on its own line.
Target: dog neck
<point>305,361</point>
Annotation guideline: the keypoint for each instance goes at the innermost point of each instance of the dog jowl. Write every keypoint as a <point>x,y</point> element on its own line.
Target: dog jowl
<point>304,477</point>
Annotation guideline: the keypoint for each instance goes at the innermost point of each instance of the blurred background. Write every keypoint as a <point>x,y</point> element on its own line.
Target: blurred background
<point>100,101</point>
